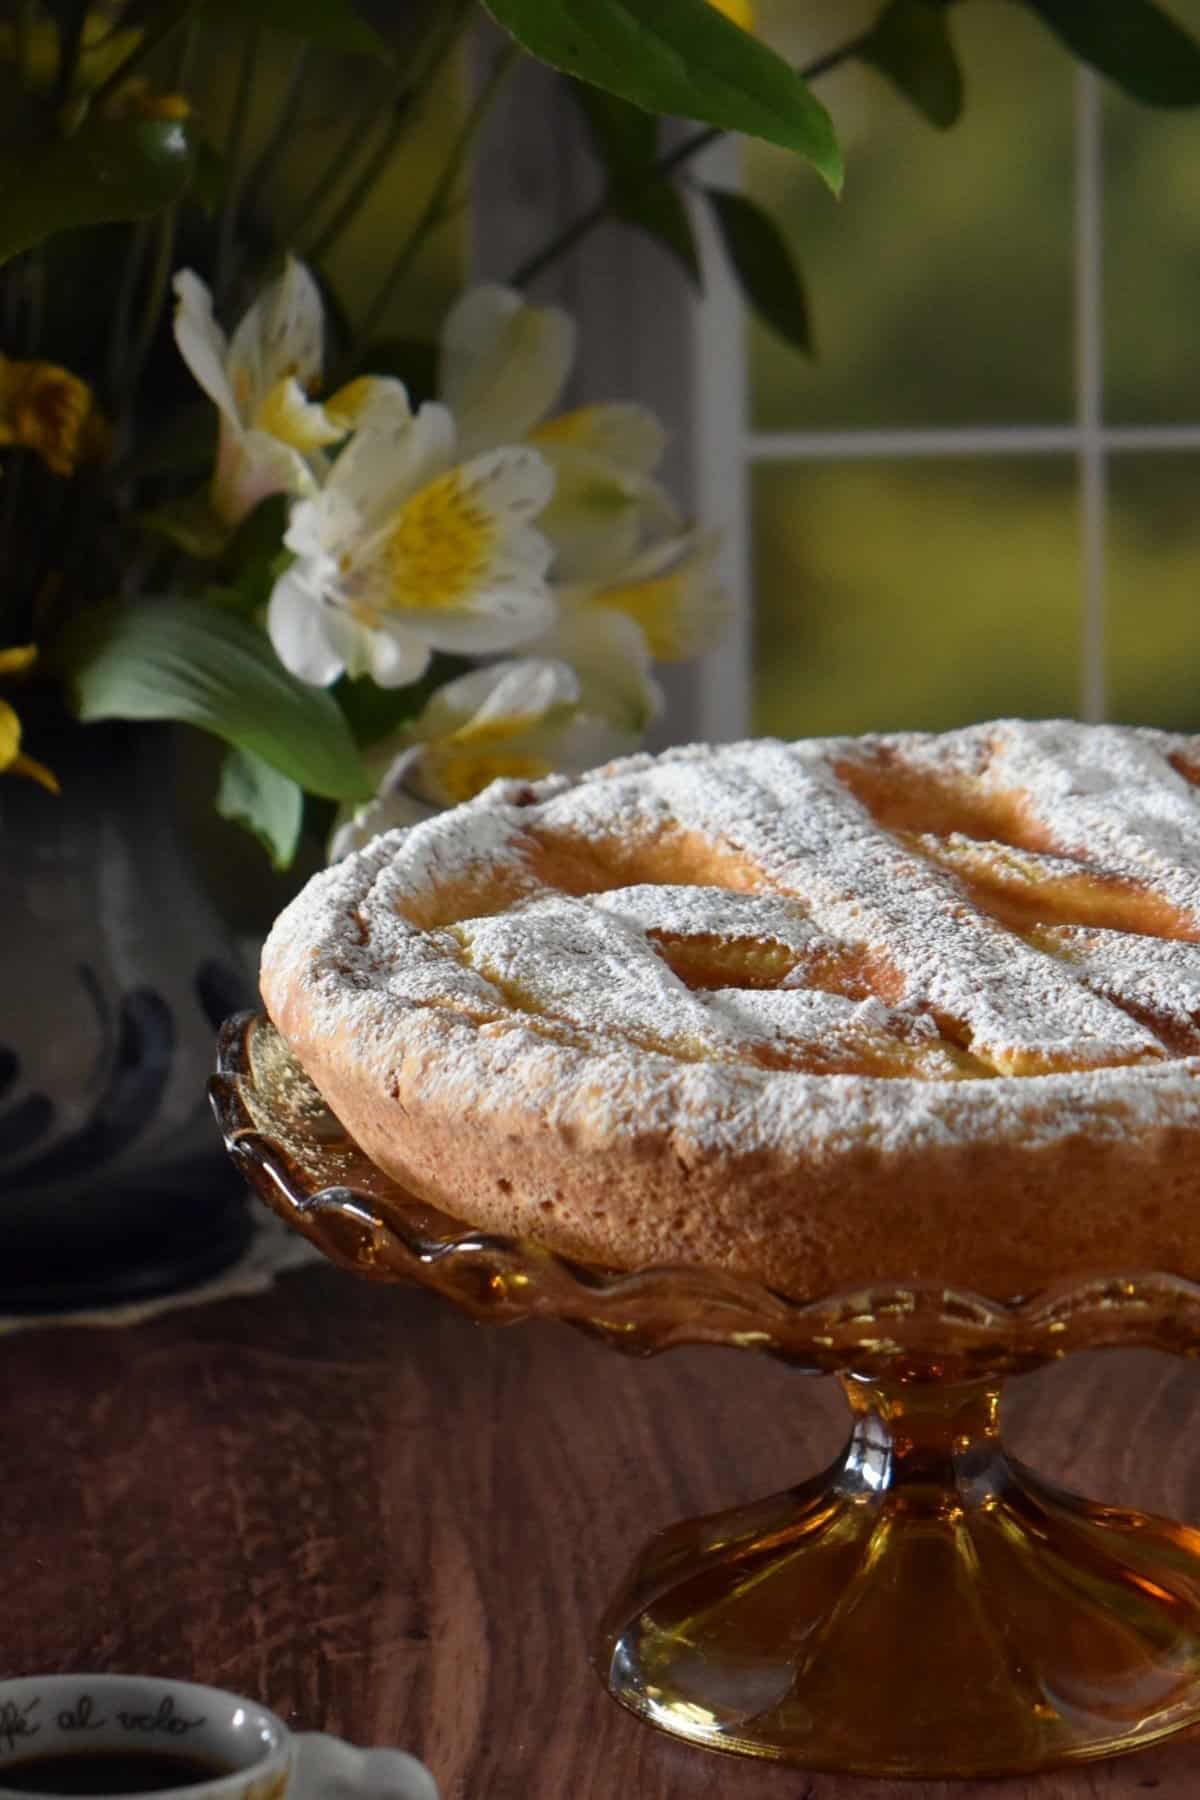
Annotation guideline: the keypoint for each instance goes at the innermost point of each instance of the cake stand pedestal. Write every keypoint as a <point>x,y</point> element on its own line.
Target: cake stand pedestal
<point>926,1607</point>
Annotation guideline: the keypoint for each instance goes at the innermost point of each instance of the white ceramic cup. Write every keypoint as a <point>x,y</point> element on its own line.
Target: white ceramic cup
<point>252,1753</point>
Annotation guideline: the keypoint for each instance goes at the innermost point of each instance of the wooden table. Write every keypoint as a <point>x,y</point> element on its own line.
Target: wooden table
<point>351,1503</point>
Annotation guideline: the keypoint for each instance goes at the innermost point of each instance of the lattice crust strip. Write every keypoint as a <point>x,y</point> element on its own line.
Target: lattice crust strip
<point>1013,899</point>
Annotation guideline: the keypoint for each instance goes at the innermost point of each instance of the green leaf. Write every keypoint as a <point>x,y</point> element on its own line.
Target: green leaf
<point>626,137</point>
<point>256,795</point>
<point>627,141</point>
<point>659,210</point>
<point>1133,42</point>
<point>334,24</point>
<point>111,169</point>
<point>763,264</point>
<point>911,44</point>
<point>229,599</point>
<point>678,56</point>
<point>204,666</point>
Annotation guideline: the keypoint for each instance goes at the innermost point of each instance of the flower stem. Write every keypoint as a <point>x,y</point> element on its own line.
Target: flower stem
<point>313,202</point>
<point>285,121</point>
<point>26,19</point>
<point>586,222</point>
<point>358,133</point>
<point>425,71</point>
<point>69,48</point>
<point>438,205</point>
<point>156,294</point>
<point>173,14</point>
<point>236,162</point>
<point>118,342</point>
<point>374,166</point>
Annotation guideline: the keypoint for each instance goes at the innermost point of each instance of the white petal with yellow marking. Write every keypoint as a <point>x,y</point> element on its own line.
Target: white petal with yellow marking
<point>600,513</point>
<point>391,455</point>
<point>516,693</point>
<point>674,592</point>
<point>460,543</point>
<point>503,364</point>
<point>280,336</point>
<point>391,655</point>
<point>252,466</point>
<point>620,432</point>
<point>287,413</point>
<point>608,652</point>
<point>297,627</point>
<point>353,403</point>
<point>202,343</point>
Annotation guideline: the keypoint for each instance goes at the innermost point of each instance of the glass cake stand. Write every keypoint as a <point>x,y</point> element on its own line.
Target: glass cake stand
<point>926,1606</point>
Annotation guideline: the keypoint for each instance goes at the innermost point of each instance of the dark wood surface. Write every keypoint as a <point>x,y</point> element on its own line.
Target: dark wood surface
<point>351,1503</point>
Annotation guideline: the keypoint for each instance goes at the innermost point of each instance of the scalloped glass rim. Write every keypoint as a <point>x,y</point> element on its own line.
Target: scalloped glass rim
<point>300,1160</point>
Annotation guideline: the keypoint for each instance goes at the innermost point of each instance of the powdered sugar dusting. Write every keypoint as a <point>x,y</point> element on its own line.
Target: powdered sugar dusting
<point>741,950</point>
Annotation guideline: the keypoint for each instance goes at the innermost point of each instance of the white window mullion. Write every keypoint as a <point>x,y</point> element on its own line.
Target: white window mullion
<point>722,484</point>
<point>1089,395</point>
<point>950,441</point>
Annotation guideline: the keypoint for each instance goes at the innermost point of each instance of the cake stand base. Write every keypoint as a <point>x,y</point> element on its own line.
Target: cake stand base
<point>926,1607</point>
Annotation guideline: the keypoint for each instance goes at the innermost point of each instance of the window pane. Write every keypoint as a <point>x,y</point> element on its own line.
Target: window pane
<point>914,595</point>
<point>1152,256</point>
<point>1153,599</point>
<point>941,285</point>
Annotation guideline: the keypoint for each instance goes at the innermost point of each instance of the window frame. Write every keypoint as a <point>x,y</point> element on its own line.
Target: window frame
<point>644,334</point>
<point>727,458</point>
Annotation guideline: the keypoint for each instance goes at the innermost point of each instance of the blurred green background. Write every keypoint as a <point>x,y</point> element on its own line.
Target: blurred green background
<point>894,594</point>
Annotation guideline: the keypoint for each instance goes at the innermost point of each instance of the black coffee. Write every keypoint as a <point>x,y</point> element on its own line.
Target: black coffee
<point>108,1772</point>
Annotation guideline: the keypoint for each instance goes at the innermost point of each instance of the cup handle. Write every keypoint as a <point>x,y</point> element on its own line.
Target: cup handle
<point>327,1768</point>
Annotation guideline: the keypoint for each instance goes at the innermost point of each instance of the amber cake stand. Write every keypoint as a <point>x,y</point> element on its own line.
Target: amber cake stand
<point>926,1606</point>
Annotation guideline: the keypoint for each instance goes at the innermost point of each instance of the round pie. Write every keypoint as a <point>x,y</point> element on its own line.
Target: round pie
<point>847,1010</point>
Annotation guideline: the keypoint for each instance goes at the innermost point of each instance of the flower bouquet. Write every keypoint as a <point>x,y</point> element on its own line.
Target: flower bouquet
<point>242,494</point>
<point>239,495</point>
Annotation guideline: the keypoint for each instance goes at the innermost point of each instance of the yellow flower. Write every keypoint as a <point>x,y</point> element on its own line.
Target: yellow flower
<point>45,408</point>
<point>12,762</point>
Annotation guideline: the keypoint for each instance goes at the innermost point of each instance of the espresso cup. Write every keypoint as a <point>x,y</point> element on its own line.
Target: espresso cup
<point>127,1735</point>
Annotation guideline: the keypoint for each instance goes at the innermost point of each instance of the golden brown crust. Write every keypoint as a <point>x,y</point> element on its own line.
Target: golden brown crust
<point>531,1014</point>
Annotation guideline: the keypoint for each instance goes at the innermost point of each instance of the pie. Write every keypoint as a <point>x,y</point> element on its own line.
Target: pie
<point>846,1010</point>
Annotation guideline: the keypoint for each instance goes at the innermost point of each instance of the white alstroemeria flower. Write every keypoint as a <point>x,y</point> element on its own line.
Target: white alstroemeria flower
<point>271,433</point>
<point>609,657</point>
<point>503,368</point>
<point>665,604</point>
<point>405,551</point>
<point>672,590</point>
<point>519,719</point>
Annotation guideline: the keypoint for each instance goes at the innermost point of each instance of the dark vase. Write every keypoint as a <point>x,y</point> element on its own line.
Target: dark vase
<point>115,971</point>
